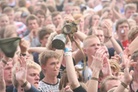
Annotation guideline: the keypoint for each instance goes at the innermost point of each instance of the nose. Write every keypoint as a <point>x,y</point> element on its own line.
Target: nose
<point>37,77</point>
<point>57,65</point>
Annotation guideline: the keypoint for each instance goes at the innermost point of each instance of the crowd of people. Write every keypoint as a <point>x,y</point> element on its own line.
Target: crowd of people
<point>68,46</point>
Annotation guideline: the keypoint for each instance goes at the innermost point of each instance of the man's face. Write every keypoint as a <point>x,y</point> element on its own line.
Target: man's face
<point>52,67</point>
<point>48,20</point>
<point>33,76</point>
<point>100,35</point>
<point>76,10</point>
<point>95,20</point>
<point>68,9</point>
<point>8,73</point>
<point>57,19</point>
<point>11,16</point>
<point>44,40</point>
<point>32,24</point>
<point>92,46</point>
<point>41,18</point>
<point>129,12</point>
<point>123,30</point>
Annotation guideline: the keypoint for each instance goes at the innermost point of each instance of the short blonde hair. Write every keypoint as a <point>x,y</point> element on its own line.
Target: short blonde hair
<point>85,42</point>
<point>132,33</point>
<point>30,64</point>
<point>130,6</point>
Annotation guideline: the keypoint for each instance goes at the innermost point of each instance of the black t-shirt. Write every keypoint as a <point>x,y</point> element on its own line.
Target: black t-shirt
<point>79,89</point>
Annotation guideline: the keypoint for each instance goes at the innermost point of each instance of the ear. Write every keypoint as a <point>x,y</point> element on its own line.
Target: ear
<point>43,67</point>
<point>84,50</point>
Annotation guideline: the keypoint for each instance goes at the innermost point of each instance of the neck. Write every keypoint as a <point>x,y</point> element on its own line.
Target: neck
<point>50,80</point>
<point>8,83</point>
<point>89,61</point>
<point>122,38</point>
<point>135,77</point>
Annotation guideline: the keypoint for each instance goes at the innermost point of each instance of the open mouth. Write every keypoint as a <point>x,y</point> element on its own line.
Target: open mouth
<point>36,82</point>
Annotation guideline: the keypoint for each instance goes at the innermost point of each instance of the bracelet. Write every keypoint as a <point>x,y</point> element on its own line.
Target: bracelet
<point>24,84</point>
<point>22,54</point>
<point>68,54</point>
<point>109,37</point>
<point>124,85</point>
<point>67,50</point>
<point>94,78</point>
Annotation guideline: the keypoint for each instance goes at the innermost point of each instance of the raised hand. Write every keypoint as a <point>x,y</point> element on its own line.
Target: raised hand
<point>24,45</point>
<point>108,24</point>
<point>21,71</point>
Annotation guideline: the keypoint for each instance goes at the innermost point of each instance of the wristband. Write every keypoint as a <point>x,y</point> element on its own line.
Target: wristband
<point>109,37</point>
<point>24,84</point>
<point>68,54</point>
<point>124,85</point>
<point>67,50</point>
<point>94,78</point>
<point>22,54</point>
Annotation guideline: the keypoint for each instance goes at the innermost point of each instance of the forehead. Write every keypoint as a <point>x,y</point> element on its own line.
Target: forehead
<point>99,32</point>
<point>32,21</point>
<point>51,60</point>
<point>95,16</point>
<point>123,24</point>
<point>91,41</point>
<point>32,69</point>
<point>57,16</point>
<point>3,17</point>
<point>9,64</point>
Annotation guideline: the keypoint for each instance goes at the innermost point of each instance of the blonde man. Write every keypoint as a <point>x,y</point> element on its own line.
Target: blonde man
<point>130,9</point>
<point>31,71</point>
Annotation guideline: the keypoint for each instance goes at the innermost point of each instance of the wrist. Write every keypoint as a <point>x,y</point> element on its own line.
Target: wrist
<point>68,54</point>
<point>22,54</point>
<point>95,78</point>
<point>108,37</point>
<point>124,84</point>
<point>67,50</point>
<point>24,84</point>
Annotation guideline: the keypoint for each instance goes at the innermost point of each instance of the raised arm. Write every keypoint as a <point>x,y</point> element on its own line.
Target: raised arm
<point>2,81</point>
<point>71,73</point>
<point>126,79</point>
<point>21,76</point>
<point>96,66</point>
<point>109,36</point>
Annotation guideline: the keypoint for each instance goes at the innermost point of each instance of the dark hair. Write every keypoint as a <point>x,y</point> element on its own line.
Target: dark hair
<point>54,14</point>
<point>32,17</point>
<point>40,12</point>
<point>44,31</point>
<point>120,21</point>
<point>22,3</point>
